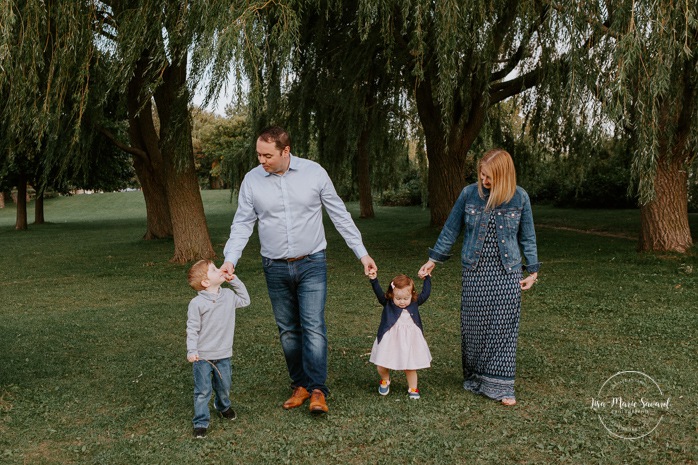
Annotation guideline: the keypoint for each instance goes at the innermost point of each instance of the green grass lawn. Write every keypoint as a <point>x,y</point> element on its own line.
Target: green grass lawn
<point>93,360</point>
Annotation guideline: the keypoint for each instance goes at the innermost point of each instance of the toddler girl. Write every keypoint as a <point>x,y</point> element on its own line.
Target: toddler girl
<point>400,344</point>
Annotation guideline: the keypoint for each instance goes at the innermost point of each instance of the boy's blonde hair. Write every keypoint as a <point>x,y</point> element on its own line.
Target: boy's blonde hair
<point>401,281</point>
<point>197,273</point>
<point>498,165</point>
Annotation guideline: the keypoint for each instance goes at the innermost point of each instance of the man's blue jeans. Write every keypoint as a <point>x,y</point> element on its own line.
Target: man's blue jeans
<point>203,387</point>
<point>298,291</point>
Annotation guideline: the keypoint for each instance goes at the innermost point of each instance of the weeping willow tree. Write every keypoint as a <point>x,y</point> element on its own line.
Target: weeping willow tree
<point>633,74</point>
<point>153,53</point>
<point>45,53</point>
<point>455,60</point>
<point>459,59</point>
<point>353,59</point>
<point>158,50</point>
<point>625,67</point>
<point>652,90</point>
<point>344,98</point>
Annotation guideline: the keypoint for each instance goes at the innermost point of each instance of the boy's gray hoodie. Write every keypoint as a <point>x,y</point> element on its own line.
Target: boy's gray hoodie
<point>211,321</point>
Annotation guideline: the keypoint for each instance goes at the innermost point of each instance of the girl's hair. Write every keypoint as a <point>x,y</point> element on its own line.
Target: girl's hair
<point>197,273</point>
<point>400,282</point>
<point>498,165</point>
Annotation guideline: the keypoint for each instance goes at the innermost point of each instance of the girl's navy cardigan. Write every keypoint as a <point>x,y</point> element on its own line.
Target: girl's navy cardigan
<point>391,312</point>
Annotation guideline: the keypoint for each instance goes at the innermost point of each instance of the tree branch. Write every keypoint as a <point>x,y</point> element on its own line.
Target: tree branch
<point>594,23</point>
<point>503,90</point>
<point>514,60</point>
<point>126,148</point>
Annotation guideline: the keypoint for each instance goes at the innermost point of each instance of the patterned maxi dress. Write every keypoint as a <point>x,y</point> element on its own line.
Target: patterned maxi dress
<point>490,311</point>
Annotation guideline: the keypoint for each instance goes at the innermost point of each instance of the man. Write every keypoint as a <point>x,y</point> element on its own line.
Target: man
<point>284,195</point>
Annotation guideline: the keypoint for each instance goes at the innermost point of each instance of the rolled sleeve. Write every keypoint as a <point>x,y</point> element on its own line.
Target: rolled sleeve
<point>437,257</point>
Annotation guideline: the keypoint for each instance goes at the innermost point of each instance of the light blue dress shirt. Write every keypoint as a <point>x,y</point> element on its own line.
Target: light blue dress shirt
<point>288,210</point>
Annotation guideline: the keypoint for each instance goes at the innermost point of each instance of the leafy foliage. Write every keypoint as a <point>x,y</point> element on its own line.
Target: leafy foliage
<point>222,148</point>
<point>46,52</point>
<point>635,77</point>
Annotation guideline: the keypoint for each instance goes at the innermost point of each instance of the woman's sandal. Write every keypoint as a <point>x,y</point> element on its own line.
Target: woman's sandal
<point>509,401</point>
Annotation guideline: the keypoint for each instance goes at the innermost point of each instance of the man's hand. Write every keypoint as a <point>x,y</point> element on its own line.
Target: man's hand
<point>228,269</point>
<point>193,358</point>
<point>369,264</point>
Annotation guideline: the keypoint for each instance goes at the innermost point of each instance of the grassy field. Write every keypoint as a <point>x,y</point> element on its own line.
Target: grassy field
<point>93,362</point>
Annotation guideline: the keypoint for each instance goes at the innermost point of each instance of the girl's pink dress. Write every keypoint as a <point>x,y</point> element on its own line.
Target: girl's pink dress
<point>403,347</point>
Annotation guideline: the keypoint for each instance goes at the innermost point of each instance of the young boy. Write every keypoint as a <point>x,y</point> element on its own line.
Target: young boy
<point>210,330</point>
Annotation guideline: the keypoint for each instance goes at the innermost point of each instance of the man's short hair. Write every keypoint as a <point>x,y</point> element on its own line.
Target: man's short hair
<point>277,135</point>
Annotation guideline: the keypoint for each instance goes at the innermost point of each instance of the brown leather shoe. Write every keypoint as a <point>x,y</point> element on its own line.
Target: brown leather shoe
<point>299,396</point>
<point>317,402</point>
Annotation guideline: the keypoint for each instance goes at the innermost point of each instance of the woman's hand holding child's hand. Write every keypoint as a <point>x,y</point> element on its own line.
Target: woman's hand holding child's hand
<point>426,269</point>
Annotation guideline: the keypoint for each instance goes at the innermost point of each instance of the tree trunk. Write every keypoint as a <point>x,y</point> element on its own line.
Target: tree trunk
<point>364,175</point>
<point>447,156</point>
<point>21,221</point>
<point>446,178</point>
<point>190,232</point>
<point>2,200</point>
<point>39,207</point>
<point>158,220</point>
<point>664,221</point>
<point>149,168</point>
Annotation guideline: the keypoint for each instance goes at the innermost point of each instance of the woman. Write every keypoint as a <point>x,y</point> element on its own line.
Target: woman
<point>495,217</point>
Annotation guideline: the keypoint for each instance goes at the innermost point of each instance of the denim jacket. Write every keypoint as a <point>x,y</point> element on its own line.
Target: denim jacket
<point>515,232</point>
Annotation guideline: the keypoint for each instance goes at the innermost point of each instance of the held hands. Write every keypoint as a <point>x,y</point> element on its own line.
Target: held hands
<point>426,269</point>
<point>369,265</point>
<point>228,269</point>
<point>193,358</point>
<point>528,282</point>
<point>373,274</point>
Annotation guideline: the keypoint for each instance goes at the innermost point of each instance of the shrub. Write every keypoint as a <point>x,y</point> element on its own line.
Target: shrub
<point>597,178</point>
<point>409,193</point>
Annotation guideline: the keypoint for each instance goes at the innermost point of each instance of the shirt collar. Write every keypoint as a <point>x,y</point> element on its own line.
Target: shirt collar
<point>208,295</point>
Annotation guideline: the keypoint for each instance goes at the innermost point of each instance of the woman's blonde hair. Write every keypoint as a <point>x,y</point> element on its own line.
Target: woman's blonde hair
<point>498,165</point>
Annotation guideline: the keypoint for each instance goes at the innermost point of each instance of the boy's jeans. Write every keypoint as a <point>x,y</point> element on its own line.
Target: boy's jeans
<point>298,291</point>
<point>203,387</point>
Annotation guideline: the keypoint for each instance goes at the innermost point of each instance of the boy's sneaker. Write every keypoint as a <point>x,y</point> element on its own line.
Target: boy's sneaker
<point>199,433</point>
<point>413,393</point>
<point>384,387</point>
<point>229,414</point>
